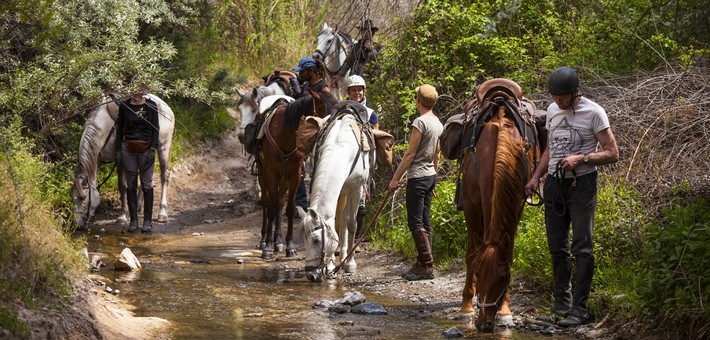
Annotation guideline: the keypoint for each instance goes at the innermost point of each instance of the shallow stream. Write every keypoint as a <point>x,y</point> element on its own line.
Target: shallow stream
<point>227,292</point>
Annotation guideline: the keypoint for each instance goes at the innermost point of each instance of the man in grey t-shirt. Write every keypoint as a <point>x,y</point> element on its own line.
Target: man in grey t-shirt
<point>576,125</point>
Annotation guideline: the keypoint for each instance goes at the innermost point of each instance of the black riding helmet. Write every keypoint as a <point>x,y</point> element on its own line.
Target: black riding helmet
<point>563,81</point>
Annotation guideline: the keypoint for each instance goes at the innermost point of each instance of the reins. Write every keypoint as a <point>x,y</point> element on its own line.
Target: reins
<point>556,196</point>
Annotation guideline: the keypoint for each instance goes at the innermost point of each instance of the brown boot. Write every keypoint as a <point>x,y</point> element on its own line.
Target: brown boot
<point>424,268</point>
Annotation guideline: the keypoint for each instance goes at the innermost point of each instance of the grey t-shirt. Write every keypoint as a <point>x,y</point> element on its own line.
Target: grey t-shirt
<point>423,163</point>
<point>572,132</point>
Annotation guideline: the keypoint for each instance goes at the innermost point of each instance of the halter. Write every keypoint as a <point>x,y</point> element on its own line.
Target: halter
<point>323,265</point>
<point>491,304</point>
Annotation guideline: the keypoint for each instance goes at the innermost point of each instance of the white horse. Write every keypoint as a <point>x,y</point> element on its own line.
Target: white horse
<point>97,146</point>
<point>342,161</point>
<point>333,47</point>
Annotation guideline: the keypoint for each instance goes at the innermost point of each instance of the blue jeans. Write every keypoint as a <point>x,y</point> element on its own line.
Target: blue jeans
<point>419,193</point>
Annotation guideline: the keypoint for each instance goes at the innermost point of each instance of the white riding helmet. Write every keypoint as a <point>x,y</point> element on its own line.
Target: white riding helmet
<point>356,80</point>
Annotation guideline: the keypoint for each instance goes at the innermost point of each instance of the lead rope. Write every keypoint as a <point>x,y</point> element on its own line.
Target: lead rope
<point>557,189</point>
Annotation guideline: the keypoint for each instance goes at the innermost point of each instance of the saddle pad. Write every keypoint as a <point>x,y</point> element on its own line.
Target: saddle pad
<point>266,108</point>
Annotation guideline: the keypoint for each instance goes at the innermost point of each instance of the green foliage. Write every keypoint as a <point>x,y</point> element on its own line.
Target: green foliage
<point>39,264</point>
<point>672,273</point>
<point>448,223</point>
<point>532,256</point>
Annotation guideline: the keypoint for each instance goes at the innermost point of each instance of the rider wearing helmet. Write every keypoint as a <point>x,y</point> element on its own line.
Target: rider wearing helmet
<point>576,125</point>
<point>356,92</point>
<point>564,82</point>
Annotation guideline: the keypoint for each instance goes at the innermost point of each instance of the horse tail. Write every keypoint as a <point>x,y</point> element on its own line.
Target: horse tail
<point>508,182</point>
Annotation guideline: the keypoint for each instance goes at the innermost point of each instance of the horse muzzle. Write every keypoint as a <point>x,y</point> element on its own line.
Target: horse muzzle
<point>485,327</point>
<point>314,274</point>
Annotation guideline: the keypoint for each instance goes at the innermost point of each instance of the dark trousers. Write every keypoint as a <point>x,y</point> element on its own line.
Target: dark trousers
<point>419,193</point>
<point>138,163</point>
<point>571,202</point>
<point>302,193</point>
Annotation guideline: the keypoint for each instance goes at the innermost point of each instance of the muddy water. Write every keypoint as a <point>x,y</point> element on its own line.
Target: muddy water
<point>231,293</point>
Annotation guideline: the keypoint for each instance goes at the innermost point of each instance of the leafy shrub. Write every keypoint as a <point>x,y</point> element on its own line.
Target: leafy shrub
<point>39,263</point>
<point>672,274</point>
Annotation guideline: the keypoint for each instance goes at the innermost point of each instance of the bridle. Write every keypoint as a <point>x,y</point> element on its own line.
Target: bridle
<point>337,40</point>
<point>491,304</point>
<point>322,226</point>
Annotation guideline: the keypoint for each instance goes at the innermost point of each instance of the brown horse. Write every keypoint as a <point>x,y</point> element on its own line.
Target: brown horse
<point>280,167</point>
<point>495,169</point>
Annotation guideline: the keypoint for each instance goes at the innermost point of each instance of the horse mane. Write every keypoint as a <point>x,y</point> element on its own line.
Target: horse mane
<point>326,157</point>
<point>304,106</point>
<point>509,176</point>
<point>89,145</point>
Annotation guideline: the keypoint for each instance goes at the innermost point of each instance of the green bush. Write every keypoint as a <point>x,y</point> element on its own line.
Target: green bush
<point>672,274</point>
<point>39,264</point>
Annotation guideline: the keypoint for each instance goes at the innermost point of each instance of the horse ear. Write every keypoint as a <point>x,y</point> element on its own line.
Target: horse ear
<point>241,92</point>
<point>325,26</point>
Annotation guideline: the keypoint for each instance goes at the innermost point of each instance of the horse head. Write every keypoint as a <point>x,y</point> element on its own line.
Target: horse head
<point>493,277</point>
<point>248,104</point>
<point>85,197</point>
<point>332,46</point>
<point>248,108</point>
<point>321,242</point>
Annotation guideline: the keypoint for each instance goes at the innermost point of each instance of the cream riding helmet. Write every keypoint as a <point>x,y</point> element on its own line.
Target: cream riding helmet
<point>356,80</point>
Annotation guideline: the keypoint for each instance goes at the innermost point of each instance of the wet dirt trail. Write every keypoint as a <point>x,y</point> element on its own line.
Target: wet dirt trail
<point>202,271</point>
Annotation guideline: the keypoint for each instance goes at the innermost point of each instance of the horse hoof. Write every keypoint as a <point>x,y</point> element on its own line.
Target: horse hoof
<point>261,246</point>
<point>279,248</point>
<point>121,222</point>
<point>290,252</point>
<point>163,218</point>
<point>266,254</point>
<point>505,320</point>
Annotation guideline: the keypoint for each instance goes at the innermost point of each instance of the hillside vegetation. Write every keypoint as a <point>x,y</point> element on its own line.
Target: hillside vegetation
<point>645,61</point>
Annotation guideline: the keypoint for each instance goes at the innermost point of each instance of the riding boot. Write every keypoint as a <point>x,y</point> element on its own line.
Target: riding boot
<point>583,272</point>
<point>147,210</point>
<point>561,274</point>
<point>132,197</point>
<point>424,268</point>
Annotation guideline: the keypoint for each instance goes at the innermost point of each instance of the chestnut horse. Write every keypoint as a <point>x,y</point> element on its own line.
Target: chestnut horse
<point>279,166</point>
<point>495,169</point>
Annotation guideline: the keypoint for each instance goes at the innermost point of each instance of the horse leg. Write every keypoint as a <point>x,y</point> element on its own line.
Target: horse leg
<point>164,159</point>
<point>290,213</point>
<point>277,242</point>
<point>346,215</point>
<point>264,227</point>
<point>473,215</point>
<point>122,219</point>
<point>264,201</point>
<point>505,316</point>
<point>271,213</point>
